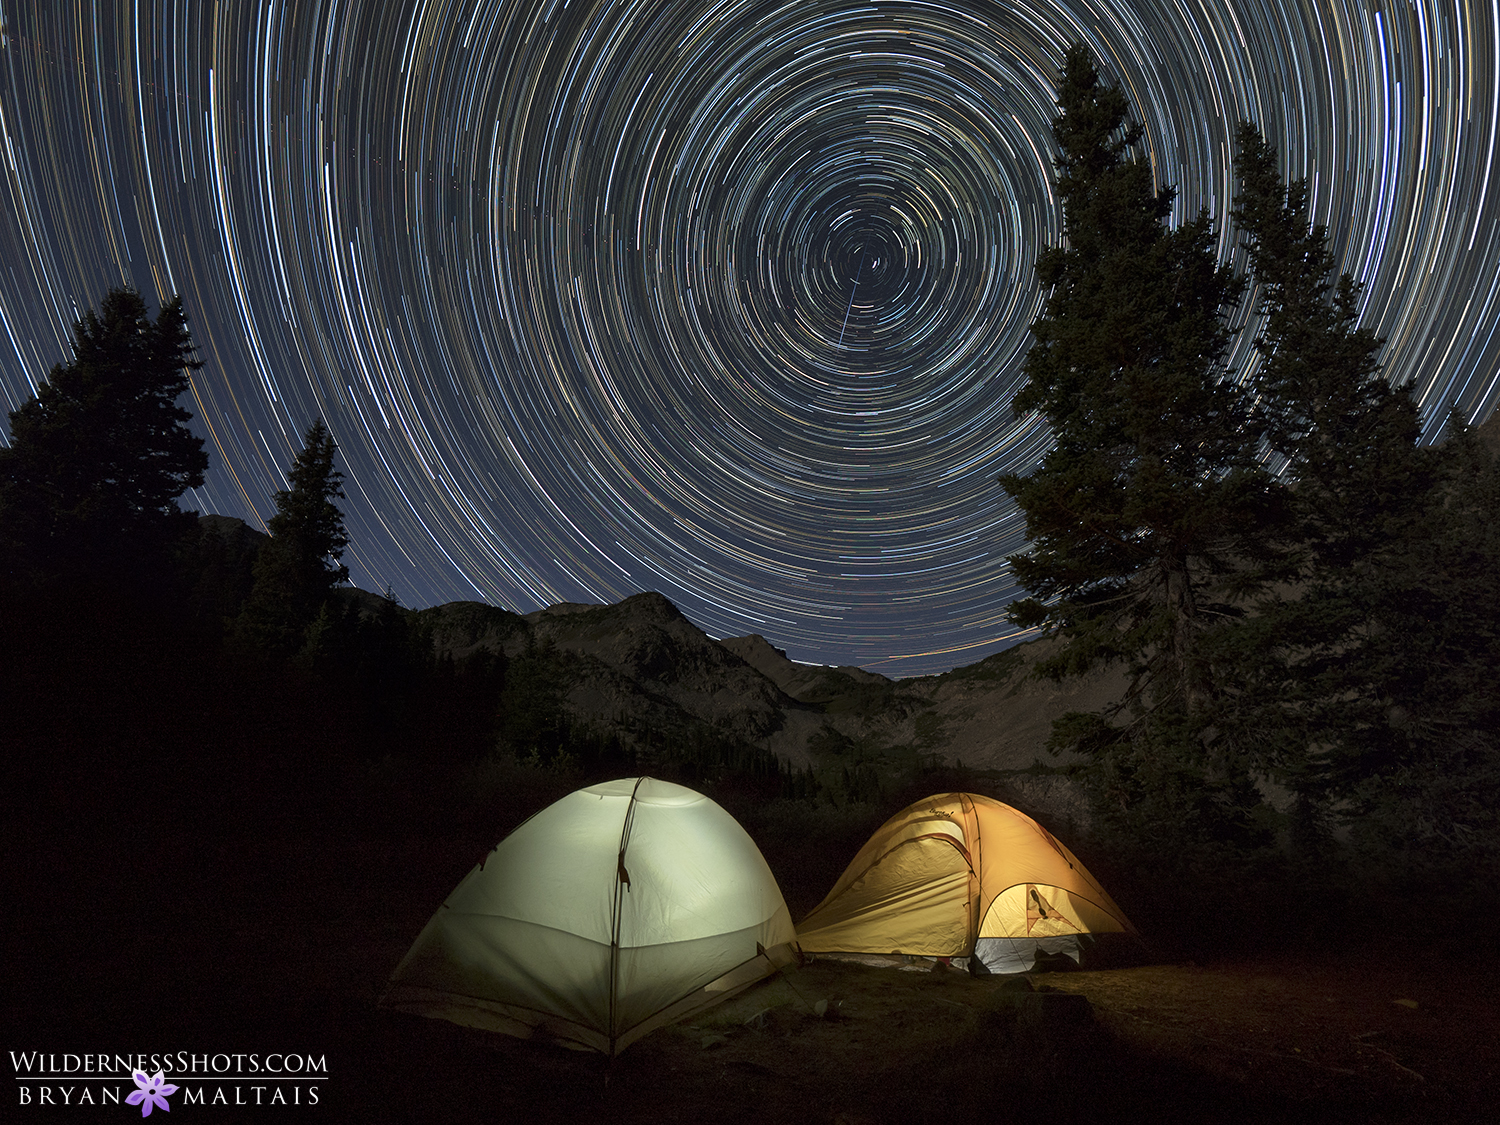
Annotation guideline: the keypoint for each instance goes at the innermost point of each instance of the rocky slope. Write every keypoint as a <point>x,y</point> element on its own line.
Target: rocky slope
<point>642,670</point>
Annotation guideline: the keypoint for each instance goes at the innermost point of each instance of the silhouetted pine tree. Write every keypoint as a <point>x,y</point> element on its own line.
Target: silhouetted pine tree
<point>89,483</point>
<point>1346,441</point>
<point>1374,681</point>
<point>1419,772</point>
<point>1146,509</point>
<point>298,567</point>
<point>1362,488</point>
<point>1364,682</point>
<point>1348,438</point>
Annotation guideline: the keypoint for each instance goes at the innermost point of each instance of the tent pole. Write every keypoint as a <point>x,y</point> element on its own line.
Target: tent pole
<point>622,884</point>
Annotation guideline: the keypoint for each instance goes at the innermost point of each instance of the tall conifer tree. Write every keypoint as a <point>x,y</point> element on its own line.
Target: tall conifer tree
<point>1370,678</point>
<point>1347,437</point>
<point>1147,502</point>
<point>299,566</point>
<point>89,483</point>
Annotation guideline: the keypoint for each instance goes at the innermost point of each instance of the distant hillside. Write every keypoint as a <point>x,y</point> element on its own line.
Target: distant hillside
<point>642,671</point>
<point>639,670</point>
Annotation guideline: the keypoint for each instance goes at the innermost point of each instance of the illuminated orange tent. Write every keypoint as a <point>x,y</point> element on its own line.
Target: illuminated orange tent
<point>960,875</point>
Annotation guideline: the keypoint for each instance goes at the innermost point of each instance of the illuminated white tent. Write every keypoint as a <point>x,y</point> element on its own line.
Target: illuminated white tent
<point>616,910</point>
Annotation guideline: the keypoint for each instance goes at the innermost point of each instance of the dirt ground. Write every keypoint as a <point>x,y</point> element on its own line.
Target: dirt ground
<point>1366,1024</point>
<point>265,943</point>
<point>1290,1038</point>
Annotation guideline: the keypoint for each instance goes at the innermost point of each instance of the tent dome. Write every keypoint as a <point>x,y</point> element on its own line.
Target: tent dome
<point>958,874</point>
<point>618,909</point>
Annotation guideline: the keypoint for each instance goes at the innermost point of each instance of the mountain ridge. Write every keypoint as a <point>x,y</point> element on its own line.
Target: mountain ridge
<point>640,665</point>
<point>638,672</point>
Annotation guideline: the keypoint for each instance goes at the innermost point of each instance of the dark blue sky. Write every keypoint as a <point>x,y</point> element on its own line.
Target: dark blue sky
<point>725,300</point>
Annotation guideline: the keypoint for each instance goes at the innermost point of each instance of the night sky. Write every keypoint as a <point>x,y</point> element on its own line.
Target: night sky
<point>724,300</point>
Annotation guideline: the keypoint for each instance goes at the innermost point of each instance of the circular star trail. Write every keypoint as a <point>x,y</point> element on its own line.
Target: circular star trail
<point>725,300</point>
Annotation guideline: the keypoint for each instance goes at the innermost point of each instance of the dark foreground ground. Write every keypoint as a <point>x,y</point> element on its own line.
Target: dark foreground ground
<point>225,938</point>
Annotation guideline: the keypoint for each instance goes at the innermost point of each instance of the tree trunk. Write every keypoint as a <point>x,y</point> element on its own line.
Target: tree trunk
<point>1183,608</point>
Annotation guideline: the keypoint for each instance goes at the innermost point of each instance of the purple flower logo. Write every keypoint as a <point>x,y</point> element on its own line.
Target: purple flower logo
<point>152,1094</point>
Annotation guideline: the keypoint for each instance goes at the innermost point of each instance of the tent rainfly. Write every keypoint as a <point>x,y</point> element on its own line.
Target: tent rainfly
<point>962,875</point>
<point>616,910</point>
